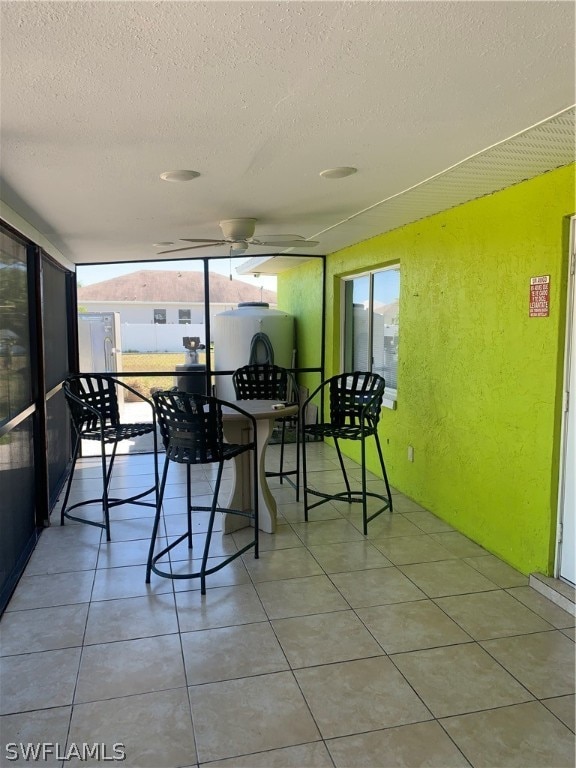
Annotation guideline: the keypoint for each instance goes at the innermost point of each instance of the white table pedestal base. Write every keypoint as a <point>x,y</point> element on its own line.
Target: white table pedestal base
<point>242,492</point>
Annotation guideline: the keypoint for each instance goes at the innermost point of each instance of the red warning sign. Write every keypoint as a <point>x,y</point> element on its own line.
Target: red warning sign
<point>540,296</point>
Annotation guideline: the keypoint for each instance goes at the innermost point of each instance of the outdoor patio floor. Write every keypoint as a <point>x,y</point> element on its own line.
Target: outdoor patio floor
<point>411,647</point>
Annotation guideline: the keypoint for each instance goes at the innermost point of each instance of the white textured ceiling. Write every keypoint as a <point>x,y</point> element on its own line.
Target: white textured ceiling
<point>98,98</point>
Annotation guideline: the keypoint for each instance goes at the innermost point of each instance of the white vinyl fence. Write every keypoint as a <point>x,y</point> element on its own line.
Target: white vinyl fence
<point>150,337</point>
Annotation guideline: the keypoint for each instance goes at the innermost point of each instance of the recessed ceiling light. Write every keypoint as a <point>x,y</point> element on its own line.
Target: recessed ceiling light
<point>160,245</point>
<point>179,175</point>
<point>338,173</point>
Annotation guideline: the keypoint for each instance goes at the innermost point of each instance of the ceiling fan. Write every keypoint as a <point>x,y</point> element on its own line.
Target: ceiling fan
<point>238,234</point>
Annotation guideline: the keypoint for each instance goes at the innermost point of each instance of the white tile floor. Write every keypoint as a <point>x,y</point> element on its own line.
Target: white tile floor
<point>413,647</point>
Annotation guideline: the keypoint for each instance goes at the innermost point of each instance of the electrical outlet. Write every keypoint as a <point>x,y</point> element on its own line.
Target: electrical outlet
<point>410,453</point>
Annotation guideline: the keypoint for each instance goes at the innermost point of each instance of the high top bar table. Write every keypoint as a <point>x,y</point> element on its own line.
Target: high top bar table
<point>237,430</point>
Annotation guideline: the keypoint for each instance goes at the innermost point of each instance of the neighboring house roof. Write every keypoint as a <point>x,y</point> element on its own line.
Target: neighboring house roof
<point>169,286</point>
<point>388,311</point>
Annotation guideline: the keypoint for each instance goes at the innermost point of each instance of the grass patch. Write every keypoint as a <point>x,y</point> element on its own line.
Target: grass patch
<point>161,362</point>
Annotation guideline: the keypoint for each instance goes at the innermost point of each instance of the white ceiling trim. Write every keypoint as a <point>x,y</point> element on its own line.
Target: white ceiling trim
<point>547,145</point>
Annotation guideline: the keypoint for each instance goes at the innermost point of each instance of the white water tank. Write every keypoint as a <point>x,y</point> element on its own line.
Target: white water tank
<point>234,335</point>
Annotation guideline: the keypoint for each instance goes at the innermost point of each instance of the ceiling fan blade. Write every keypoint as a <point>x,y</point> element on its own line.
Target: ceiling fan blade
<point>190,247</point>
<point>283,237</point>
<point>289,243</point>
<point>202,240</point>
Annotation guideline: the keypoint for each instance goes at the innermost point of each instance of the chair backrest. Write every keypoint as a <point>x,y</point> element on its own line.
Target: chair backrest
<point>261,381</point>
<point>356,396</point>
<point>190,426</point>
<point>92,400</point>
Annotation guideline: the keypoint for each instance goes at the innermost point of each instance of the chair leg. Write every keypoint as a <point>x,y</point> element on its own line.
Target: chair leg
<point>189,506</point>
<point>384,474</point>
<point>256,513</point>
<point>364,499</point>
<point>160,498</point>
<point>156,476</point>
<point>209,531</point>
<point>298,460</point>
<point>107,475</point>
<point>304,474</point>
<point>343,468</point>
<point>281,474</point>
<point>70,477</point>
<point>282,451</point>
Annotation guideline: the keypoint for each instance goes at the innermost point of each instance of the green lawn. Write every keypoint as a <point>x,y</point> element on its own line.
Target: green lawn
<point>161,362</point>
<point>149,361</point>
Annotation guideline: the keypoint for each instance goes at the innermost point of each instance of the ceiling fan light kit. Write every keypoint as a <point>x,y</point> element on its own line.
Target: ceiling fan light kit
<point>238,235</point>
<point>238,229</point>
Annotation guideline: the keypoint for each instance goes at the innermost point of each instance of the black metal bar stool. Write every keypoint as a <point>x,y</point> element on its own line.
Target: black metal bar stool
<point>93,403</point>
<point>354,404</point>
<point>263,381</point>
<point>191,426</point>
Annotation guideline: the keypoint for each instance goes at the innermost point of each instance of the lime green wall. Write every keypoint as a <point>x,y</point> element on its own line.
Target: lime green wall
<point>303,296</point>
<point>479,382</point>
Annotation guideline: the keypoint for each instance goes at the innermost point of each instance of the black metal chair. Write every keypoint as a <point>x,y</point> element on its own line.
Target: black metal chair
<point>262,381</point>
<point>354,403</point>
<point>93,403</point>
<point>191,426</point>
